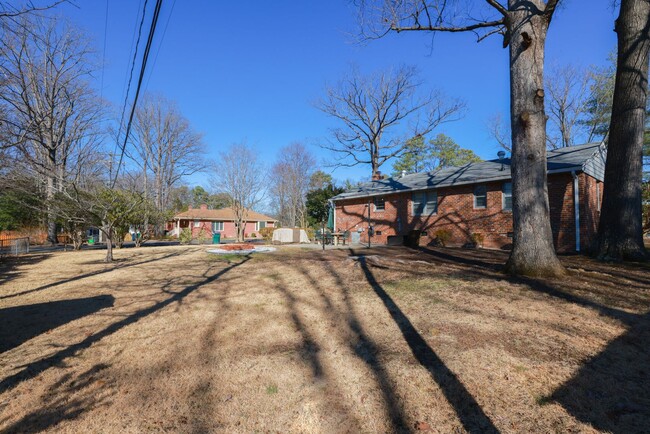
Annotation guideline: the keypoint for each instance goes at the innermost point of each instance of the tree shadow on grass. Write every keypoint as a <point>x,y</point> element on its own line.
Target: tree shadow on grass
<point>469,412</point>
<point>610,391</point>
<point>33,369</point>
<point>10,267</point>
<point>57,406</point>
<point>19,324</point>
<point>116,266</point>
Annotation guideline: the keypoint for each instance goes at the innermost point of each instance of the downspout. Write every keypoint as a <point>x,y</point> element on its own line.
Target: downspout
<point>334,212</point>
<point>576,208</point>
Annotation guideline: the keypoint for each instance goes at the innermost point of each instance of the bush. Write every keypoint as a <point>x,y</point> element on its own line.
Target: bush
<point>202,236</point>
<point>186,236</point>
<point>442,236</point>
<point>477,239</point>
<point>311,233</point>
<point>267,234</point>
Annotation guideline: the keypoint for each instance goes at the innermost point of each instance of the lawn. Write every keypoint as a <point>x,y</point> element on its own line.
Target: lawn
<point>385,340</point>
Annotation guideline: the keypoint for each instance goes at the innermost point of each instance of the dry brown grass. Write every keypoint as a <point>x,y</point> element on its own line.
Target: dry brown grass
<point>389,340</point>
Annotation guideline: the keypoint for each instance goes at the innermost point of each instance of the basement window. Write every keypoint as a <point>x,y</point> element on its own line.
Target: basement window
<point>480,196</point>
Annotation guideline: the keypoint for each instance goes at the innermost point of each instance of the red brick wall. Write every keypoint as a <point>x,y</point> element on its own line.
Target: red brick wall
<point>457,215</point>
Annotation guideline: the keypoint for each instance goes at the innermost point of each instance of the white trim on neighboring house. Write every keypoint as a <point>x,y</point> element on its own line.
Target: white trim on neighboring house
<point>576,207</point>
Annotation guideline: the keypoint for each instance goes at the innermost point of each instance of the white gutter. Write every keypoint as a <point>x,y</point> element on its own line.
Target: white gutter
<point>576,208</point>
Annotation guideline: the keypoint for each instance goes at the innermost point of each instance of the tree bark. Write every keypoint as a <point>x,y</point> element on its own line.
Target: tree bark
<point>108,231</point>
<point>533,252</point>
<point>620,230</point>
<point>51,215</point>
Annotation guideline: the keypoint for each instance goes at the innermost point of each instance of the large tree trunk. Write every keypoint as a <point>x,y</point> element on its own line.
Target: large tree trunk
<point>533,252</point>
<point>620,231</point>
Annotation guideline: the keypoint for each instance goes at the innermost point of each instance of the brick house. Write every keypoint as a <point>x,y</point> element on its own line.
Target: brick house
<point>476,199</point>
<point>217,220</point>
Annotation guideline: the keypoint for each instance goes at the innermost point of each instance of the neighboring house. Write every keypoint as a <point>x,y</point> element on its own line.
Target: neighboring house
<point>477,199</point>
<point>216,220</point>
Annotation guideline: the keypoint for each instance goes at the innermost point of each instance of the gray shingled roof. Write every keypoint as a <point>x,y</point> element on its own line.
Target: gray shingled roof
<point>589,158</point>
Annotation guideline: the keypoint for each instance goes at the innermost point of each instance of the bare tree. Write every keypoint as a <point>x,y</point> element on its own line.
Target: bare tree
<point>372,108</point>
<point>10,10</point>
<point>499,131</point>
<point>50,114</point>
<point>620,230</point>
<point>165,147</point>
<point>566,104</point>
<point>241,176</point>
<point>291,175</point>
<point>524,25</point>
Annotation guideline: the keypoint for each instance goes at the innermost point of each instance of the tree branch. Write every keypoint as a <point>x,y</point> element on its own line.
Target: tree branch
<point>468,28</point>
<point>499,7</point>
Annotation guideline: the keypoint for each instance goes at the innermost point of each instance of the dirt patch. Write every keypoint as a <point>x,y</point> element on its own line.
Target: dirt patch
<point>383,340</point>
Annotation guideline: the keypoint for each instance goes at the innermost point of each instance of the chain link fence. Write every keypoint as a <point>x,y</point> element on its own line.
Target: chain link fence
<point>14,246</point>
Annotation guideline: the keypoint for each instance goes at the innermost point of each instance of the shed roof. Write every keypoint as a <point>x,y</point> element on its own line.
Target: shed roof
<point>588,158</point>
<point>223,214</point>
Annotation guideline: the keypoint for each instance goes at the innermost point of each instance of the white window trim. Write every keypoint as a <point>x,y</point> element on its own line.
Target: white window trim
<point>219,228</point>
<point>374,204</point>
<point>197,223</point>
<point>426,203</point>
<point>474,197</point>
<point>503,197</point>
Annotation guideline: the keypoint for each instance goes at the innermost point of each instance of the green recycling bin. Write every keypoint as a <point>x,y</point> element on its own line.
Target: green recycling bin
<point>216,238</point>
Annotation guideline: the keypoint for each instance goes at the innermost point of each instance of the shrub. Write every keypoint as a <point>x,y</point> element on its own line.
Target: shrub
<point>267,234</point>
<point>477,239</point>
<point>253,235</point>
<point>311,233</point>
<point>202,236</point>
<point>185,236</point>
<point>442,236</point>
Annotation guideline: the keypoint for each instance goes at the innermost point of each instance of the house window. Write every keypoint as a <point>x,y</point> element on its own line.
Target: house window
<point>480,196</point>
<point>425,203</point>
<point>217,226</point>
<point>259,225</point>
<point>197,223</point>
<point>380,204</point>
<point>507,196</point>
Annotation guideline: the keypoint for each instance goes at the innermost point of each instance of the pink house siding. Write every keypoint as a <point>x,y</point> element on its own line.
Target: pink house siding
<point>200,222</point>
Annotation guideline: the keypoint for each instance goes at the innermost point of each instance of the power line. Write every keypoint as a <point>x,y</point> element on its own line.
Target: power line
<point>162,38</point>
<point>147,50</point>
<point>128,87</point>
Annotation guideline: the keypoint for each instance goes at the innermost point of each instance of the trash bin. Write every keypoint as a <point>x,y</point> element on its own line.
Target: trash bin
<point>91,241</point>
<point>216,238</point>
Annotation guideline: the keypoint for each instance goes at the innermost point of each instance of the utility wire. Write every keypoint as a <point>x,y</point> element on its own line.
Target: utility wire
<point>147,50</point>
<point>128,88</point>
<point>162,38</point>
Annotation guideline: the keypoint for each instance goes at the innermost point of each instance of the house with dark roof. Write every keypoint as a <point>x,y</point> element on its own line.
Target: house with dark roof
<point>206,222</point>
<point>473,203</point>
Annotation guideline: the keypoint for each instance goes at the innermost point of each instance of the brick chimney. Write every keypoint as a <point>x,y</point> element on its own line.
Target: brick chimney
<point>376,176</point>
<point>204,206</point>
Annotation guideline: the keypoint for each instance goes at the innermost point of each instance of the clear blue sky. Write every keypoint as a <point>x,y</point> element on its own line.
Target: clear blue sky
<point>249,70</point>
